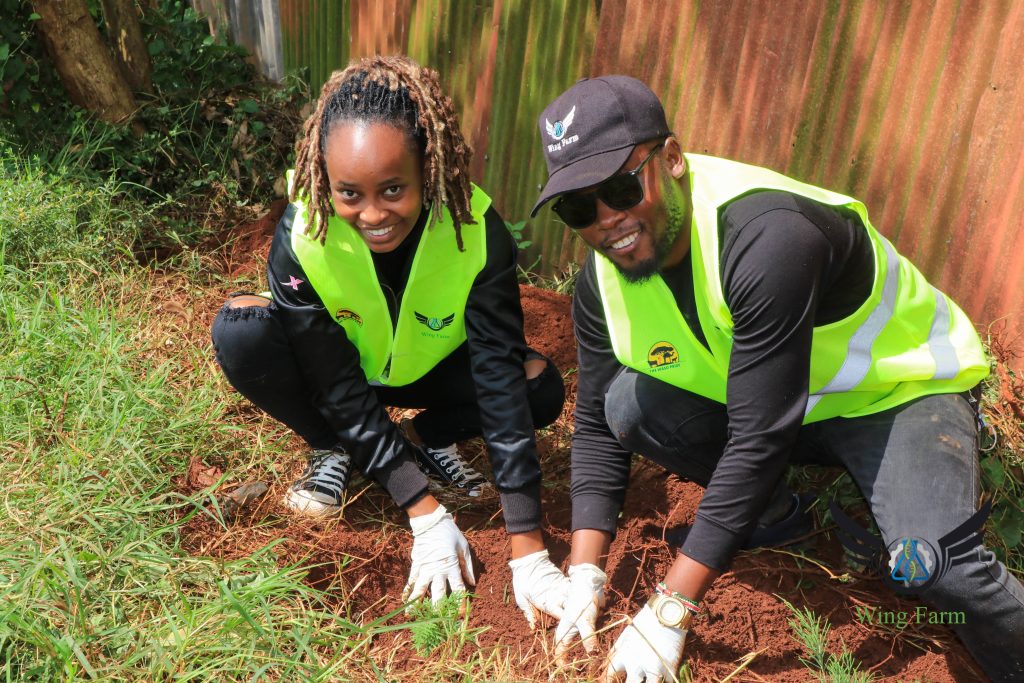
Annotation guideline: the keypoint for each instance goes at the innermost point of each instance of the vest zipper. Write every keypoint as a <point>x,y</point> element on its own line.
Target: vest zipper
<point>392,300</point>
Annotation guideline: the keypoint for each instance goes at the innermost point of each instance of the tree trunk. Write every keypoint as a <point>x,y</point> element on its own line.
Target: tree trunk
<point>82,60</point>
<point>124,31</point>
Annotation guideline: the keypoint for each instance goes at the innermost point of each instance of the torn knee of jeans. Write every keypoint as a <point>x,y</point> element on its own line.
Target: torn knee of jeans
<point>545,370</point>
<point>252,311</point>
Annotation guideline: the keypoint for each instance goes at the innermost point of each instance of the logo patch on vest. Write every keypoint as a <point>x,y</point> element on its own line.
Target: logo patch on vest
<point>435,324</point>
<point>347,314</point>
<point>662,354</point>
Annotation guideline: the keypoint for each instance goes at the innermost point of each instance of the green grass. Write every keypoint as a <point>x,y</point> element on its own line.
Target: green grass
<point>55,225</point>
<point>94,583</point>
<point>98,419</point>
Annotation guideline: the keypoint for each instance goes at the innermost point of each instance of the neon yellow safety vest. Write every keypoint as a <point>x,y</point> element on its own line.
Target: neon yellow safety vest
<point>906,340</point>
<point>431,318</point>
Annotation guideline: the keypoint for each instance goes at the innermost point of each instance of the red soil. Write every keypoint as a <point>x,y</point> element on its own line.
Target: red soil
<point>363,558</point>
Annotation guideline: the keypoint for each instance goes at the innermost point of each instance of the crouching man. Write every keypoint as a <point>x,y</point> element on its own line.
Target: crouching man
<point>731,320</point>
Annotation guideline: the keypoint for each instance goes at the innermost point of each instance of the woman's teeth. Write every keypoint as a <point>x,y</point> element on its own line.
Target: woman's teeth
<point>380,232</point>
<point>625,241</point>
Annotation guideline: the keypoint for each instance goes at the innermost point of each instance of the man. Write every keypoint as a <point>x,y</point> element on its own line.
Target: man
<point>731,320</point>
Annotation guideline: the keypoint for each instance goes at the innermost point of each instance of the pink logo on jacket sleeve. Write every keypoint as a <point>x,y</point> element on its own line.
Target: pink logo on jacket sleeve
<point>293,282</point>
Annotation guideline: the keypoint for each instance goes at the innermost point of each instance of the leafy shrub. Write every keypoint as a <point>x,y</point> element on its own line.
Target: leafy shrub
<point>50,219</point>
<point>1002,458</point>
<point>211,126</point>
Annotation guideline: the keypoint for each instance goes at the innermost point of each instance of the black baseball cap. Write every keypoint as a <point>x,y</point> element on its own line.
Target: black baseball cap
<point>590,130</point>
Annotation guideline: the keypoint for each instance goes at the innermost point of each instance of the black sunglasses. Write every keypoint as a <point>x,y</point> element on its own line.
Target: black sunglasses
<point>620,192</point>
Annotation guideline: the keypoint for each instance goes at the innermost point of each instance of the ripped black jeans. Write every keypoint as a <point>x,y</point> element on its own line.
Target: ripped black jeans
<point>253,351</point>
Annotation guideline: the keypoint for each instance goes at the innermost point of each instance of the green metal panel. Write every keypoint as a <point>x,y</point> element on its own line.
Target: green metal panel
<point>315,35</point>
<point>501,61</point>
<point>912,106</point>
<point>523,54</point>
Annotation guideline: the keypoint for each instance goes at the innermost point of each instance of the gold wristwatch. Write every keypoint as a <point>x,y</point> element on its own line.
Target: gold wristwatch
<point>671,611</point>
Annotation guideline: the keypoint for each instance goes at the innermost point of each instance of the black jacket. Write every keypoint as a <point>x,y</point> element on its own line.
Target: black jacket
<point>787,264</point>
<point>496,350</point>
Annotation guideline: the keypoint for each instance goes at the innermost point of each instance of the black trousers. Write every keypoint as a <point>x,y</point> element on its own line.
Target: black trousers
<point>916,464</point>
<point>253,351</point>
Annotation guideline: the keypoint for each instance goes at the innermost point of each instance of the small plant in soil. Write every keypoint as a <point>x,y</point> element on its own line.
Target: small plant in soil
<point>811,632</point>
<point>517,233</point>
<point>435,625</point>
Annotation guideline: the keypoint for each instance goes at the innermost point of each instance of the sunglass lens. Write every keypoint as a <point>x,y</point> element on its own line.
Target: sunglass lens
<point>577,211</point>
<point>621,192</point>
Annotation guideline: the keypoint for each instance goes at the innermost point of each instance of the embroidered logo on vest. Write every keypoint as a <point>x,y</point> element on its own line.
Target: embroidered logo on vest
<point>347,314</point>
<point>435,324</point>
<point>662,354</point>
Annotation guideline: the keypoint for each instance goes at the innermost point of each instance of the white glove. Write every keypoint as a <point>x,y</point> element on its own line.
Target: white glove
<point>539,586</point>
<point>440,555</point>
<point>579,615</point>
<point>646,650</point>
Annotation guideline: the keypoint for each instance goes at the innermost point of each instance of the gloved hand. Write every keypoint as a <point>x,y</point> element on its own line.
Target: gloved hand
<point>579,615</point>
<point>539,586</point>
<point>440,555</point>
<point>646,650</point>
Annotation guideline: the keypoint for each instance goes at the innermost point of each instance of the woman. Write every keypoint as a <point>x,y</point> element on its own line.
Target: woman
<point>393,283</point>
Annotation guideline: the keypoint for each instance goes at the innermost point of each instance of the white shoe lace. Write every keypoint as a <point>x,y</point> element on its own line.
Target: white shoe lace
<point>457,468</point>
<point>328,469</point>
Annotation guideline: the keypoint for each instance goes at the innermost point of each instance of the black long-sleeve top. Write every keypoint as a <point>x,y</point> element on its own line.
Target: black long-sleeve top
<point>787,264</point>
<point>496,345</point>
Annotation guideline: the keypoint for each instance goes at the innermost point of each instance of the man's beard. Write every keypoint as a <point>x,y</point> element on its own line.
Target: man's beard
<point>676,215</point>
<point>646,269</point>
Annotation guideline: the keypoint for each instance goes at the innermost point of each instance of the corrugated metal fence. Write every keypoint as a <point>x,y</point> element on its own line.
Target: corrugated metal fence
<point>915,107</point>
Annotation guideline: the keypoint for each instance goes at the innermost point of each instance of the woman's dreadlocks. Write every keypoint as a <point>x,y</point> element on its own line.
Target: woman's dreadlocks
<point>397,91</point>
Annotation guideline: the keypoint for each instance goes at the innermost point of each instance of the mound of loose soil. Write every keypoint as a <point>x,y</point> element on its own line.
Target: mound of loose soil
<point>362,559</point>
<point>548,324</point>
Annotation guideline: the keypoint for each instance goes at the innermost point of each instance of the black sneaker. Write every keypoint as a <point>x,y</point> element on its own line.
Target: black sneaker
<point>446,466</point>
<point>320,490</point>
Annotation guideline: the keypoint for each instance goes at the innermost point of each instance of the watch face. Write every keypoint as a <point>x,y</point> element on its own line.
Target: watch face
<point>670,612</point>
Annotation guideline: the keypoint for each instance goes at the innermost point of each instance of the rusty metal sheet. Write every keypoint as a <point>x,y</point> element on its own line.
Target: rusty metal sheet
<point>913,107</point>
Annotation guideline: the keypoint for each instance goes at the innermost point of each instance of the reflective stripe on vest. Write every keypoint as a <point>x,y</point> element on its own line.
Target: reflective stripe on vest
<point>907,340</point>
<point>431,317</point>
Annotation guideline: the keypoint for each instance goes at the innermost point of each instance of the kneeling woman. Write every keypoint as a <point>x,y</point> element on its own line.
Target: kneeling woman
<point>393,283</point>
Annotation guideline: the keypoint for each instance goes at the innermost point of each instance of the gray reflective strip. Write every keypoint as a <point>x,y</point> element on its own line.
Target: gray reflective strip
<point>947,365</point>
<point>858,352</point>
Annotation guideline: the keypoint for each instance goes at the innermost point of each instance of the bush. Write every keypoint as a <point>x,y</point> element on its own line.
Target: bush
<point>211,132</point>
<point>48,220</point>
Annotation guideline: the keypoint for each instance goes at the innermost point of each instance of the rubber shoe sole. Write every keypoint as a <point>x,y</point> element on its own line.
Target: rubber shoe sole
<point>304,502</point>
<point>438,486</point>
